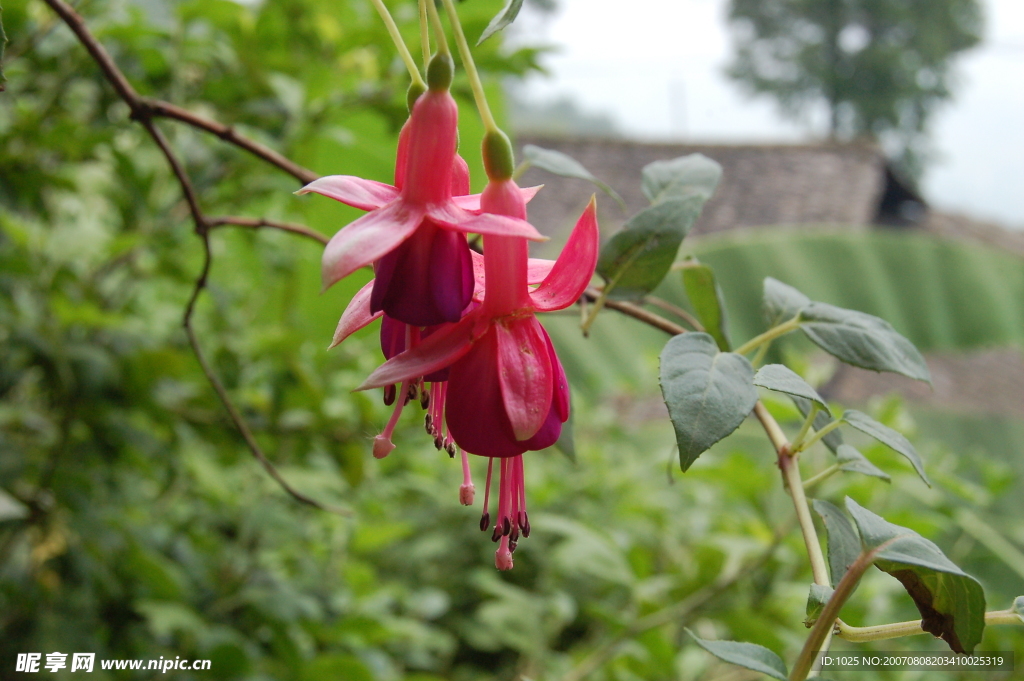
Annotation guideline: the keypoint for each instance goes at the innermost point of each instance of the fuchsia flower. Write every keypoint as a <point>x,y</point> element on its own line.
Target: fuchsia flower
<point>506,392</point>
<point>414,230</point>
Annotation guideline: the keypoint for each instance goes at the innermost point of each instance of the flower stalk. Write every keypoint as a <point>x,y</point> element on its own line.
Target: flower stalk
<point>467,61</point>
<point>396,38</point>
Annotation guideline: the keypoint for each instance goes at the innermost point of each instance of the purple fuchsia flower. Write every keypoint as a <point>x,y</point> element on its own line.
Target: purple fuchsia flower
<point>506,391</point>
<point>414,232</point>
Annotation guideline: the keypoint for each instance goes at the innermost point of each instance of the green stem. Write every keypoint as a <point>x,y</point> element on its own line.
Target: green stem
<point>883,632</point>
<point>805,428</point>
<point>758,357</point>
<point>424,33</point>
<point>435,23</point>
<point>824,475</point>
<point>396,38</point>
<point>826,621</point>
<point>470,66</point>
<point>795,487</point>
<point>769,335</point>
<point>818,435</point>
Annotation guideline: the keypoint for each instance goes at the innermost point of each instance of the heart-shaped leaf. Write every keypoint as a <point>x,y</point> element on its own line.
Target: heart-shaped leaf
<point>862,340</point>
<point>505,17</point>
<point>781,301</point>
<point>951,602</point>
<point>706,297</point>
<point>638,257</point>
<point>888,437</point>
<point>749,655</point>
<point>692,175</point>
<point>852,461</point>
<point>563,165</point>
<point>708,392</point>
<point>781,379</point>
<point>843,542</point>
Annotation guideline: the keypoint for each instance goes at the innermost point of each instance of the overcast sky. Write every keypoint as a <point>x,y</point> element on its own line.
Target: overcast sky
<point>662,79</point>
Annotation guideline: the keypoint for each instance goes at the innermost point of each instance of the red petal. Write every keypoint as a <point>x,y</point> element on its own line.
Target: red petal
<point>472,201</point>
<point>436,352</point>
<point>353,191</point>
<point>369,238</point>
<point>574,268</point>
<point>356,315</point>
<point>525,373</point>
<point>450,216</point>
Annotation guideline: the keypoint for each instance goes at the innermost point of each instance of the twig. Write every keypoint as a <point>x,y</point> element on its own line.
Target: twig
<point>258,223</point>
<point>637,312</point>
<point>143,111</point>
<point>675,310</point>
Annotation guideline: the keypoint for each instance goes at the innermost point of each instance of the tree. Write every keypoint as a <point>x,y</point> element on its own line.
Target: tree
<point>880,66</point>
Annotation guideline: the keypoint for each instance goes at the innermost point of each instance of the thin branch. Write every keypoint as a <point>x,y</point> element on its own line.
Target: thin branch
<point>225,399</point>
<point>637,312</point>
<point>258,223</point>
<point>142,112</point>
<point>675,310</point>
<point>161,109</point>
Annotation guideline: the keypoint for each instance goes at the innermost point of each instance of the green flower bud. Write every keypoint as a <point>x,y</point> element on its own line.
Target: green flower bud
<point>498,158</point>
<point>440,72</point>
<point>414,92</point>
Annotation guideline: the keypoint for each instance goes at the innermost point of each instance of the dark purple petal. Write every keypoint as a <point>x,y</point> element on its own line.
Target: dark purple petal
<point>427,280</point>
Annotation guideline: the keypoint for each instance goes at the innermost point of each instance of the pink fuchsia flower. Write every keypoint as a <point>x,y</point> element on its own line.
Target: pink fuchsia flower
<point>506,391</point>
<point>414,230</point>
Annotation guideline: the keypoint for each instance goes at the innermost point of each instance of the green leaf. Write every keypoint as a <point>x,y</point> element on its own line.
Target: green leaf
<point>781,379</point>
<point>638,257</point>
<point>502,19</point>
<point>680,178</point>
<point>832,439</point>
<point>706,297</point>
<point>782,302</point>
<point>747,655</point>
<point>11,508</point>
<point>557,163</point>
<point>951,602</point>
<point>852,461</point>
<point>888,437</point>
<point>708,393</point>
<point>843,543</point>
<point>862,340</point>
<point>817,597</point>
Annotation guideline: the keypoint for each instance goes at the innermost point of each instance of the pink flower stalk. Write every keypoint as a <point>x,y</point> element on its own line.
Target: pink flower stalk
<point>415,229</point>
<point>506,391</point>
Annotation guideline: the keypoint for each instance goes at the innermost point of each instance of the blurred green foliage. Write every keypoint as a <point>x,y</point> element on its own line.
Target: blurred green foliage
<point>134,522</point>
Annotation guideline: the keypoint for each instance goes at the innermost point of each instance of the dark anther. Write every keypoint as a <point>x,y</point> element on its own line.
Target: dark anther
<point>424,399</point>
<point>512,544</point>
<point>525,525</point>
<point>485,522</point>
<point>389,395</point>
<point>438,443</point>
<point>496,535</point>
<point>413,393</point>
<point>506,526</point>
<point>450,448</point>
<point>428,425</point>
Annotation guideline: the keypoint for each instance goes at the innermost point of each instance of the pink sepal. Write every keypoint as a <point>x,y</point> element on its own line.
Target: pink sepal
<point>572,272</point>
<point>450,216</point>
<point>369,238</point>
<point>437,351</point>
<point>537,270</point>
<point>525,374</point>
<point>352,191</point>
<point>356,315</point>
